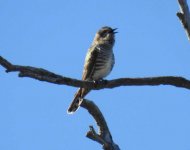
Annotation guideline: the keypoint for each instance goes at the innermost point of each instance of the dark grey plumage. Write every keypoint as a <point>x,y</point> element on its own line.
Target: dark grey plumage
<point>98,64</point>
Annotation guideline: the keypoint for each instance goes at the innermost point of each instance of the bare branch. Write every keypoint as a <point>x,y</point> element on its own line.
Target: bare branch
<point>44,75</point>
<point>103,136</point>
<point>184,16</point>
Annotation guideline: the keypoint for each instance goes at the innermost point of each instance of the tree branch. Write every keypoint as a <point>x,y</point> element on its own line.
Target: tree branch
<point>44,75</point>
<point>184,16</point>
<point>103,136</point>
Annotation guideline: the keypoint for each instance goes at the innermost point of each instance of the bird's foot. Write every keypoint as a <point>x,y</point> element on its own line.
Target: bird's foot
<point>100,81</point>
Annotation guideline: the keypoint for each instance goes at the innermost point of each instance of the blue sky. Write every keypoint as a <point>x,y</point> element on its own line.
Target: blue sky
<point>55,35</point>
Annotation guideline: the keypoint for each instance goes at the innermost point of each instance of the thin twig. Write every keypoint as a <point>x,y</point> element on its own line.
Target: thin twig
<point>184,16</point>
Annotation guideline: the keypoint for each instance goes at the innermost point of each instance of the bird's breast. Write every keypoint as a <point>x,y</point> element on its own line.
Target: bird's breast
<point>103,65</point>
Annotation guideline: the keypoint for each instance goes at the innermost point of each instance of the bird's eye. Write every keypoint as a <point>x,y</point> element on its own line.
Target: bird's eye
<point>104,34</point>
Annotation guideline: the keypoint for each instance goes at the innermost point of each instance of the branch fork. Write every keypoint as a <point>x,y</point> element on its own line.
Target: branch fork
<point>103,136</point>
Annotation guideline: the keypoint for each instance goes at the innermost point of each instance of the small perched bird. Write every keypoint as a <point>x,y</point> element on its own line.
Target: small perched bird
<point>98,64</point>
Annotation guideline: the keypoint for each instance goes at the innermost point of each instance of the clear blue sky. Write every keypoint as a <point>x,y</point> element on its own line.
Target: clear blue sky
<point>55,35</point>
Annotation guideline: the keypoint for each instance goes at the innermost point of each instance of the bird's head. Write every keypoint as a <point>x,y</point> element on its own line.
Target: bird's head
<point>105,35</point>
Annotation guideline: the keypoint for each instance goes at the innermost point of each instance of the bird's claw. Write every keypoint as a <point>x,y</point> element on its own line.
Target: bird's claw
<point>100,81</point>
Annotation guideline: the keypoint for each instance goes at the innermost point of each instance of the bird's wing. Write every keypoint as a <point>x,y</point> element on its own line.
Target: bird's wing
<point>90,62</point>
<point>89,67</point>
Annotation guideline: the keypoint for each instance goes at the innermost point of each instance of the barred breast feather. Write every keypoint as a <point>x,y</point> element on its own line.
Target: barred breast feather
<point>104,62</point>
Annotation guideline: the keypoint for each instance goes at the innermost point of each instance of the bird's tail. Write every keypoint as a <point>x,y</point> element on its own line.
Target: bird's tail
<point>76,102</point>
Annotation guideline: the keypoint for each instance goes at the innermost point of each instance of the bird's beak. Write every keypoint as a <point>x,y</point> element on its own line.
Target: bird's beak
<point>113,30</point>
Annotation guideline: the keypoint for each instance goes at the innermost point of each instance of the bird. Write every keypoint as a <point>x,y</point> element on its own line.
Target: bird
<point>99,62</point>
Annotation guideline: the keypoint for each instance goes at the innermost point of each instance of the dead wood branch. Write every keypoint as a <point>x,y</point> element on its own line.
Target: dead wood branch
<point>44,75</point>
